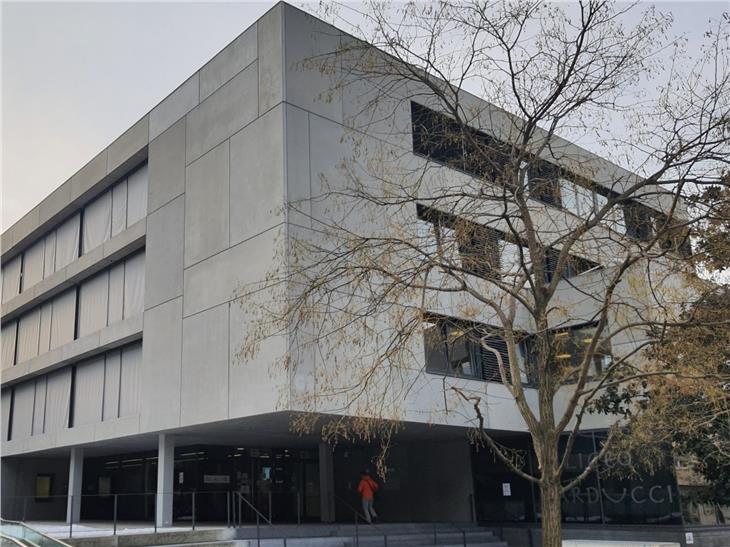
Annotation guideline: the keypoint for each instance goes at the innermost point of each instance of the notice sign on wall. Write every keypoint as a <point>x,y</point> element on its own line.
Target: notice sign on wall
<point>689,537</point>
<point>216,479</point>
<point>506,489</point>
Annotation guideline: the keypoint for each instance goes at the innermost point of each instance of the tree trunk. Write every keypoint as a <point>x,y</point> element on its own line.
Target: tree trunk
<point>552,529</point>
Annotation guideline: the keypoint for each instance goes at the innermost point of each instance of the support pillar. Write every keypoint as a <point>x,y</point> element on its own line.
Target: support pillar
<point>75,478</point>
<point>165,477</point>
<point>326,482</point>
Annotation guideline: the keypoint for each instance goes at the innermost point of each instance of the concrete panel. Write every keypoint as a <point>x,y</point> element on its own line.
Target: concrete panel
<point>206,205</point>
<point>205,366</point>
<point>298,182</point>
<point>271,59</point>
<point>159,375</point>
<point>55,202</point>
<point>174,106</point>
<point>89,175</point>
<point>132,141</point>
<point>259,385</point>
<point>309,46</point>
<point>257,177</point>
<point>166,164</point>
<point>222,114</point>
<point>164,253</point>
<point>225,65</point>
<point>219,278</point>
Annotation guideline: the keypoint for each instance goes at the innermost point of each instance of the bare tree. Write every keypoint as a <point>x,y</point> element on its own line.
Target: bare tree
<point>464,224</point>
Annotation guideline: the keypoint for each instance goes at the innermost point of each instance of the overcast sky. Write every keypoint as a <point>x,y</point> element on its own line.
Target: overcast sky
<point>75,76</point>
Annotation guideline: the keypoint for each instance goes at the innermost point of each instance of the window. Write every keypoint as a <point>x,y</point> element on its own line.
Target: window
<point>43,487</point>
<point>571,345</point>
<point>454,347</point>
<point>576,265</point>
<point>639,220</point>
<point>576,199</point>
<point>543,182</point>
<point>440,138</point>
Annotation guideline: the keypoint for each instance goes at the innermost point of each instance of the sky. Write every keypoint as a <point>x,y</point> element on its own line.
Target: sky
<point>76,75</point>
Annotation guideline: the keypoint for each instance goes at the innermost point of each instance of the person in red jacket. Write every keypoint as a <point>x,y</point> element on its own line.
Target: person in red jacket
<point>367,489</point>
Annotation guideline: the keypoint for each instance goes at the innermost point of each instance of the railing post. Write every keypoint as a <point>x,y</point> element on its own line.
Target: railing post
<point>25,506</point>
<point>357,532</point>
<point>193,509</point>
<point>270,519</point>
<point>240,513</point>
<point>434,534</point>
<point>473,508</point>
<point>71,519</point>
<point>155,499</point>
<point>115,514</point>
<point>228,509</point>
<point>258,530</point>
<point>463,537</point>
<point>299,507</point>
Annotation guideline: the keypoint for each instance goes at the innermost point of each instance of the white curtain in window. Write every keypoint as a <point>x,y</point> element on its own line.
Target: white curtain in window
<point>134,286</point>
<point>449,247</point>
<point>33,264</point>
<point>5,404</point>
<point>116,293</point>
<point>49,259</point>
<point>89,392</point>
<point>44,336</point>
<point>584,201</point>
<point>28,333</point>
<point>23,404</point>
<point>63,319</point>
<point>67,242</point>
<point>137,195</point>
<point>131,362</point>
<point>426,234</point>
<point>112,370</point>
<point>58,400</point>
<point>509,259</point>
<point>119,207</point>
<point>9,335</point>
<point>39,407</point>
<point>93,302</point>
<point>97,222</point>
<point>11,278</point>
<point>568,196</point>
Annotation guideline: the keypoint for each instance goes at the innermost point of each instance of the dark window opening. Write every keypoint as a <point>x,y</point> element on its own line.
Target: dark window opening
<point>576,265</point>
<point>543,182</point>
<point>571,344</point>
<point>466,349</point>
<point>639,220</point>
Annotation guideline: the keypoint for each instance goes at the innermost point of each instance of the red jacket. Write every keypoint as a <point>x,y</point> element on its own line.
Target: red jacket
<point>367,488</point>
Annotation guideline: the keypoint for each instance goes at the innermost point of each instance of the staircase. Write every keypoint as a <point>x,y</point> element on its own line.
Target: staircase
<point>338,535</point>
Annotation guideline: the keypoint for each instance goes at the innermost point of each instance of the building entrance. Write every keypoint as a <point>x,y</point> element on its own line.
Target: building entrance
<point>281,483</point>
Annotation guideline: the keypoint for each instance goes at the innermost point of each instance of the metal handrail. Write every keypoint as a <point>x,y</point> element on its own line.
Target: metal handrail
<point>25,527</point>
<point>251,505</point>
<point>16,541</point>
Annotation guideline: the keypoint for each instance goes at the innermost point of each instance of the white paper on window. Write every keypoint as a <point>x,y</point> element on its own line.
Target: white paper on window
<point>23,404</point>
<point>137,195</point>
<point>134,286</point>
<point>568,196</point>
<point>97,222</point>
<point>616,220</point>
<point>131,362</point>
<point>584,201</point>
<point>58,400</point>
<point>33,264</point>
<point>119,208</point>
<point>89,392</point>
<point>509,259</point>
<point>64,318</point>
<point>112,370</point>
<point>9,338</point>
<point>39,407</point>
<point>11,278</point>
<point>116,293</point>
<point>28,333</point>
<point>93,303</point>
<point>5,404</point>
<point>67,242</point>
<point>49,259</point>
<point>44,337</point>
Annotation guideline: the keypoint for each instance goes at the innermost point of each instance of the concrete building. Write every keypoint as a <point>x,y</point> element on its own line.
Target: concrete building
<point>121,323</point>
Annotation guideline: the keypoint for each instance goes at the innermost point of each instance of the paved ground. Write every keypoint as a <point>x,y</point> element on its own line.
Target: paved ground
<point>95,529</point>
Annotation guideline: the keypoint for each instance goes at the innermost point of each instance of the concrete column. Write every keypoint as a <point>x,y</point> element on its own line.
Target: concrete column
<point>75,478</point>
<point>326,482</point>
<point>165,472</point>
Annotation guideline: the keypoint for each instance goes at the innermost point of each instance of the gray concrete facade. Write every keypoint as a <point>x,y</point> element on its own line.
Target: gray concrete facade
<point>250,131</point>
